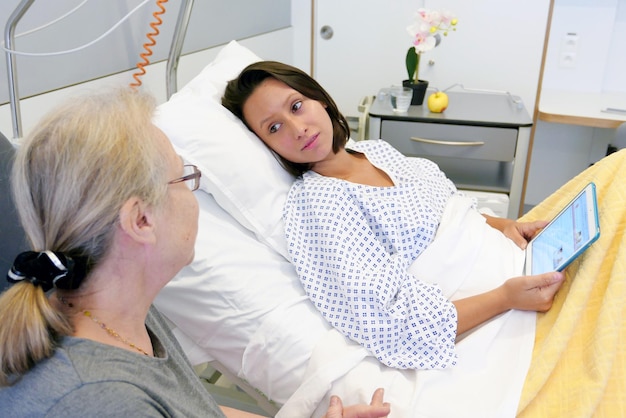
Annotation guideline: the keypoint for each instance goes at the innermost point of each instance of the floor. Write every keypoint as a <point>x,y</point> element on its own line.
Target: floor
<point>227,393</point>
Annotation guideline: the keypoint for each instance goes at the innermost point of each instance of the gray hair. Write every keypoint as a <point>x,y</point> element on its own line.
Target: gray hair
<point>71,177</point>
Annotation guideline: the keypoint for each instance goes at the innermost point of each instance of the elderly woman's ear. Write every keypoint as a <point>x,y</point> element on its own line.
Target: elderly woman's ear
<point>137,221</point>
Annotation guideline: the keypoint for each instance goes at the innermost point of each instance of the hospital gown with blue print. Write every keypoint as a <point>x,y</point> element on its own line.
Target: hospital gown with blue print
<point>352,244</point>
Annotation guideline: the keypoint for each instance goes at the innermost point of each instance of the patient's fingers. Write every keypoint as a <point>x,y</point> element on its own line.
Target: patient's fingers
<point>376,409</point>
<point>534,293</point>
<point>521,232</point>
<point>549,284</point>
<point>548,279</point>
<point>335,410</point>
<point>377,397</point>
<point>529,229</point>
<point>365,411</point>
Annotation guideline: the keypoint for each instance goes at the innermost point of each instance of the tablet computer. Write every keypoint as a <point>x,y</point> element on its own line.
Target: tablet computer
<point>570,233</point>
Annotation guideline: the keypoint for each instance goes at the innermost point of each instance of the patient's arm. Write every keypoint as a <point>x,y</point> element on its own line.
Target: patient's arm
<point>519,232</point>
<point>527,293</point>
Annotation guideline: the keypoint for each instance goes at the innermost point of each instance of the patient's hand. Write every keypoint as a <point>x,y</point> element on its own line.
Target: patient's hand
<point>376,409</point>
<point>518,232</point>
<point>533,293</point>
<point>526,293</point>
<point>525,230</point>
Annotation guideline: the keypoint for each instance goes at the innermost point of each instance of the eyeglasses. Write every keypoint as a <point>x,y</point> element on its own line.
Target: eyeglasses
<point>191,177</point>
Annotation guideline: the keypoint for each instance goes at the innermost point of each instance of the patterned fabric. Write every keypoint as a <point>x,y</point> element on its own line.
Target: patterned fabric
<point>351,245</point>
<point>579,358</point>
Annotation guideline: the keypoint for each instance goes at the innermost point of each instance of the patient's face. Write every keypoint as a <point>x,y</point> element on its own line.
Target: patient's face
<point>294,126</point>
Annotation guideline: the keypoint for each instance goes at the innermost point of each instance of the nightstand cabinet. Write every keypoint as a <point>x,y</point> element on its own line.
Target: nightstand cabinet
<point>480,141</point>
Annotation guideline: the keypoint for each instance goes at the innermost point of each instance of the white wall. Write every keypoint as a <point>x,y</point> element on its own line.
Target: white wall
<point>301,26</point>
<point>498,46</point>
<point>561,151</point>
<point>597,32</point>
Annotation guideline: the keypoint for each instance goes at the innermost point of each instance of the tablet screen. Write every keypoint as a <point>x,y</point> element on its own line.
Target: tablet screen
<point>566,236</point>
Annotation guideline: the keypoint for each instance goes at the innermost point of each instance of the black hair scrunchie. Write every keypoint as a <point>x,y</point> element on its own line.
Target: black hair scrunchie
<point>48,269</point>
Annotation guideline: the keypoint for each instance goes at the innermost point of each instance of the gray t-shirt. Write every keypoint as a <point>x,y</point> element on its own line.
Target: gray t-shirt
<point>85,378</point>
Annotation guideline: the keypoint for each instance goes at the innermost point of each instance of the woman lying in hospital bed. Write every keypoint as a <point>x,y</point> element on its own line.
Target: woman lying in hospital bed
<point>275,328</point>
<point>357,218</point>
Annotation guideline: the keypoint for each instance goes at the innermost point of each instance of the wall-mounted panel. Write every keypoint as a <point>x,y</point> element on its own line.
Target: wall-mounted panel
<point>587,45</point>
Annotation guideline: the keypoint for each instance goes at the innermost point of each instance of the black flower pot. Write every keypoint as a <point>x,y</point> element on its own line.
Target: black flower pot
<point>419,91</point>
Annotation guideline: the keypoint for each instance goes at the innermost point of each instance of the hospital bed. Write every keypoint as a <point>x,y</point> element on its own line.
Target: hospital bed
<point>240,306</point>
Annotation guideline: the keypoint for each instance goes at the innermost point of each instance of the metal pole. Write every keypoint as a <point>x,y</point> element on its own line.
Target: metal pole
<point>177,46</point>
<point>9,42</point>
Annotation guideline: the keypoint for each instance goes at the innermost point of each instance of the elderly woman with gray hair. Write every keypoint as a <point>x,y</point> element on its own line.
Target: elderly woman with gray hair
<point>108,209</point>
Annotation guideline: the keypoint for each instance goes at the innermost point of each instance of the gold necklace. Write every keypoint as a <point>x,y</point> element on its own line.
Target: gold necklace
<point>114,333</point>
<point>109,330</point>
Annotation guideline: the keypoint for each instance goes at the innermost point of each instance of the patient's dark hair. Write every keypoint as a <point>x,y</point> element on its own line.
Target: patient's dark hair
<point>239,90</point>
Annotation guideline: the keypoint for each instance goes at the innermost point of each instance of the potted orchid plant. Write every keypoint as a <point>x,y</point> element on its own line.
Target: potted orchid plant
<point>426,31</point>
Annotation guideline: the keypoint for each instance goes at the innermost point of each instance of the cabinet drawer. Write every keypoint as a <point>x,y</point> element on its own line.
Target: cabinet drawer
<point>460,141</point>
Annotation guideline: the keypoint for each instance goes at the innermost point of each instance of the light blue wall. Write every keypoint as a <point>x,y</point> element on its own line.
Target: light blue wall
<point>212,22</point>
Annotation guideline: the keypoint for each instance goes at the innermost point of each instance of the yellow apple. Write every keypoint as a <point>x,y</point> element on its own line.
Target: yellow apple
<point>437,102</point>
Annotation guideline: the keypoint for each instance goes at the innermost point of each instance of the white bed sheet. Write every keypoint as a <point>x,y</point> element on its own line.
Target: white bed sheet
<point>291,355</point>
<point>467,257</point>
<point>240,303</point>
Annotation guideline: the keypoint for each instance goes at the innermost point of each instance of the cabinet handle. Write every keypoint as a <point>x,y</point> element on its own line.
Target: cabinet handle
<point>450,143</point>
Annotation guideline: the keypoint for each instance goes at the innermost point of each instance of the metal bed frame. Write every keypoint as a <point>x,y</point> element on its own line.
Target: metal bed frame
<point>213,370</point>
<point>9,40</point>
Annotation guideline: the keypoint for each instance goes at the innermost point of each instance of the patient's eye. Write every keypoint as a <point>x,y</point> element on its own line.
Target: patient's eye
<point>275,127</point>
<point>296,106</point>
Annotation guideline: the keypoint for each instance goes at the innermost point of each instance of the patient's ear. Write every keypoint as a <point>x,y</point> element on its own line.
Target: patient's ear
<point>137,220</point>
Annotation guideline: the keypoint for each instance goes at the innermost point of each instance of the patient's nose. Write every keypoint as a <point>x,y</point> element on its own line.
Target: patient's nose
<point>300,128</point>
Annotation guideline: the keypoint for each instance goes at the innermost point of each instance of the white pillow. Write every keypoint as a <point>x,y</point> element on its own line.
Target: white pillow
<point>241,173</point>
<point>241,303</point>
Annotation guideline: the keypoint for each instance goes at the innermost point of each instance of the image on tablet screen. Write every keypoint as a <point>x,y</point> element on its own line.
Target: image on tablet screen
<point>562,238</point>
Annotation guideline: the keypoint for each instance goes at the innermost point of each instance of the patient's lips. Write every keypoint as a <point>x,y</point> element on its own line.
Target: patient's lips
<point>309,143</point>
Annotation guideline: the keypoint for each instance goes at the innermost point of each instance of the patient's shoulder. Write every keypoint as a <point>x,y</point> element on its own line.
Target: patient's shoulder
<point>312,184</point>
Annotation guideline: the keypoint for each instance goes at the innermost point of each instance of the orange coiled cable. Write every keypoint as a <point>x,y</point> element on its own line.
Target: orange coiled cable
<point>148,45</point>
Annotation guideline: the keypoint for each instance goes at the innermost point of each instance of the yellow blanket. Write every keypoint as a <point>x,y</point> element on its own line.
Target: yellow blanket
<point>579,360</point>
